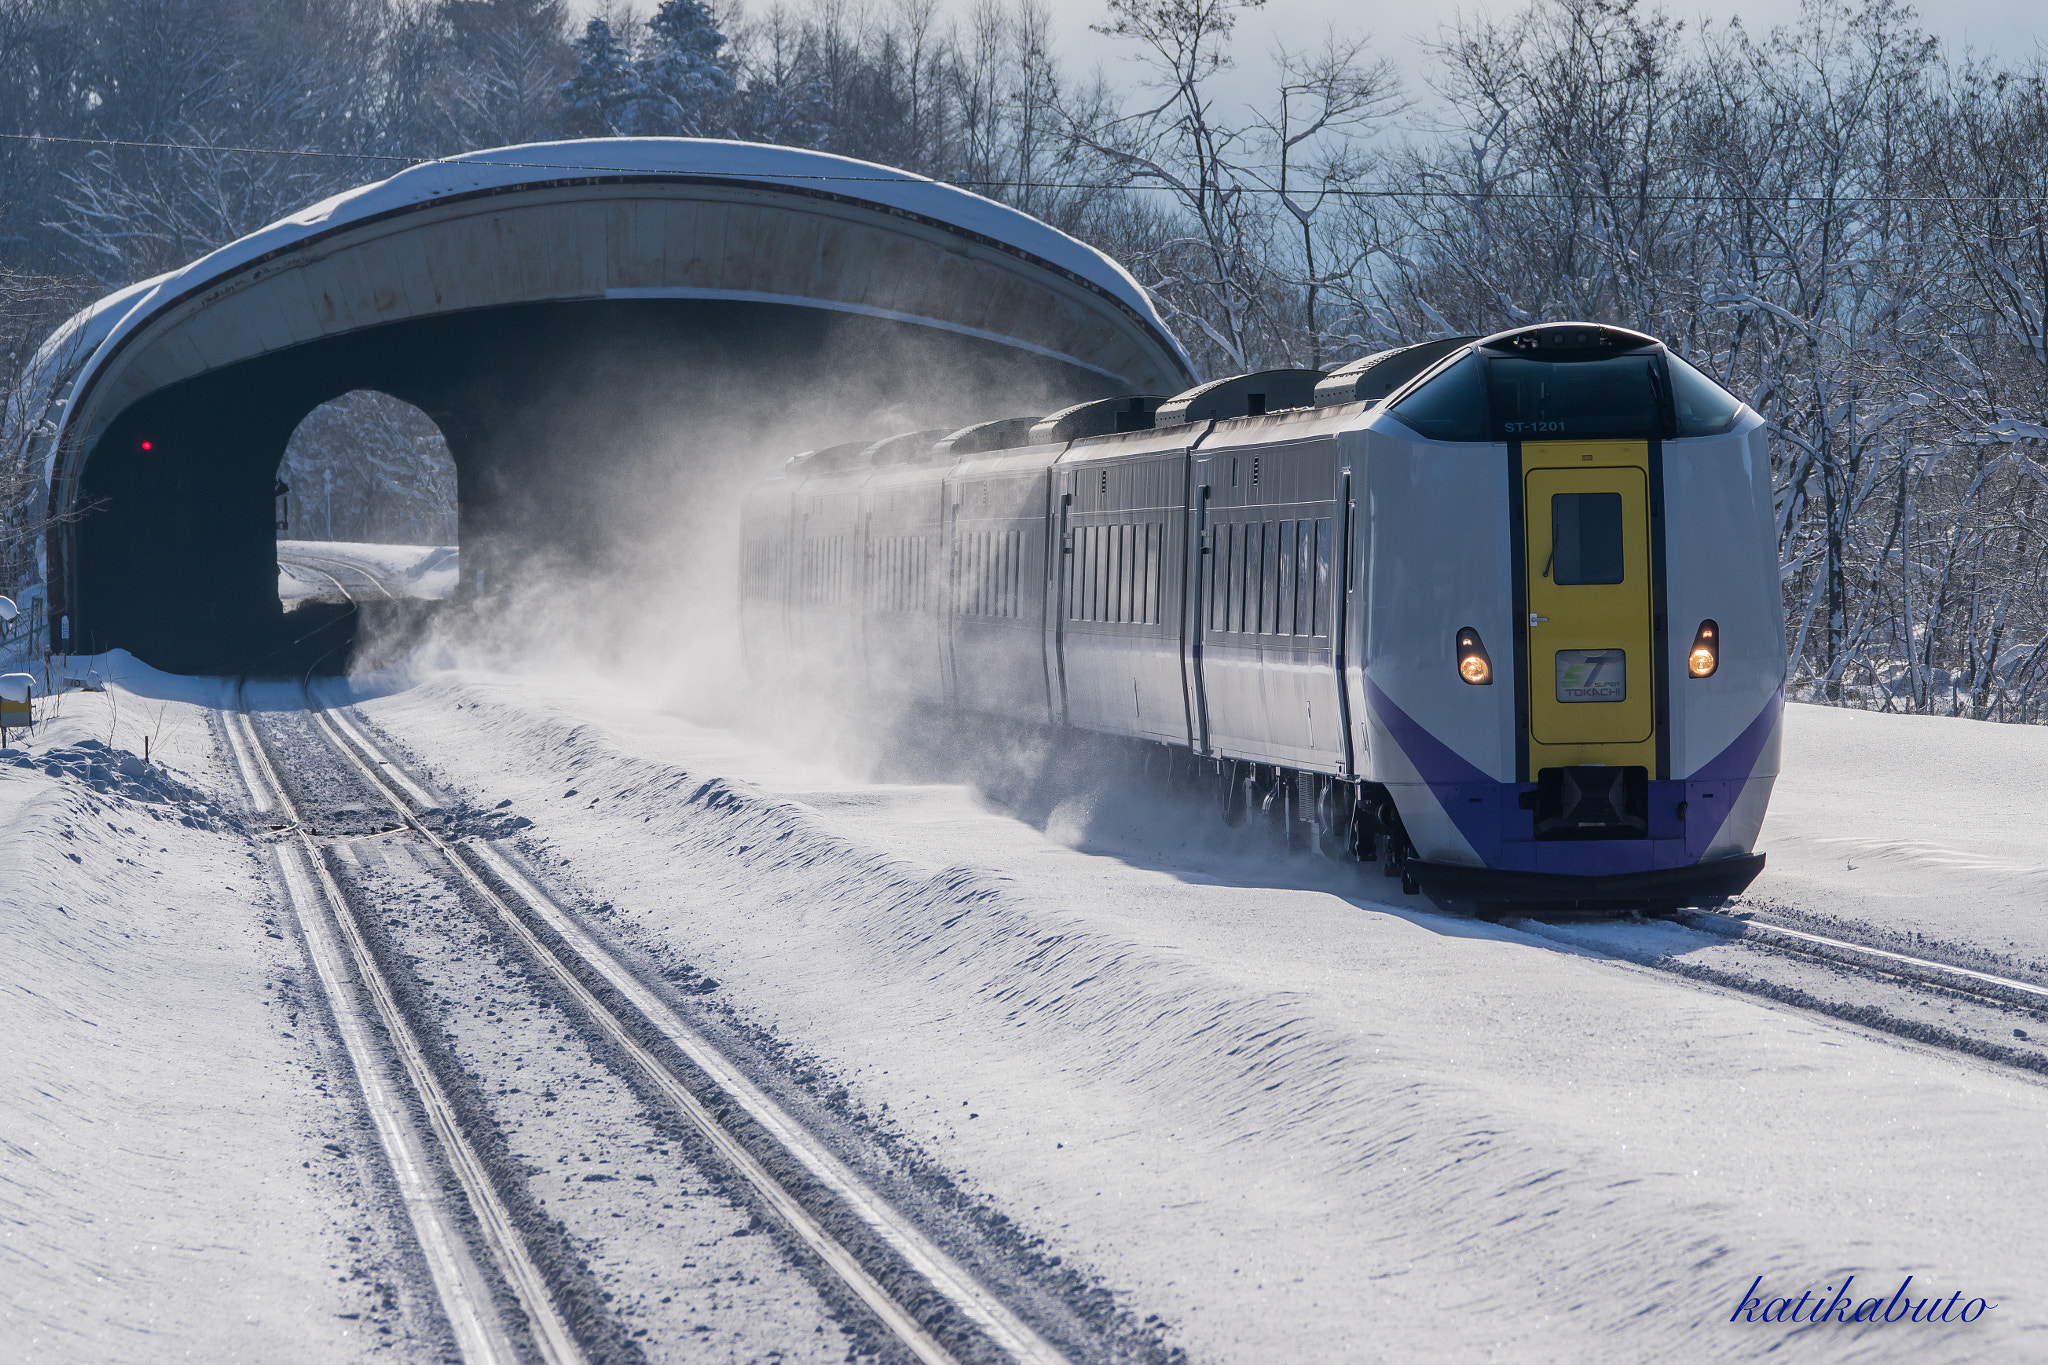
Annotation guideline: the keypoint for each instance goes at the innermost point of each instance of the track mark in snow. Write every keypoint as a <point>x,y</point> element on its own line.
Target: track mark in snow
<point>467,1292</point>
<point>561,945</point>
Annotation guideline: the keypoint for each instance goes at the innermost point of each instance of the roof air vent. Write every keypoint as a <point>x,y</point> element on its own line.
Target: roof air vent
<point>1243,395</point>
<point>1372,378</point>
<point>1103,417</point>
<point>1005,433</point>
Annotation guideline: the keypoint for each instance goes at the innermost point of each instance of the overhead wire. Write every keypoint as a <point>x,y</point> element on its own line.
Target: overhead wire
<point>909,177</point>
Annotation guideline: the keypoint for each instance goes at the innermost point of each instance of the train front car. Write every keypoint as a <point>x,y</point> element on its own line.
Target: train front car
<point>1573,669</point>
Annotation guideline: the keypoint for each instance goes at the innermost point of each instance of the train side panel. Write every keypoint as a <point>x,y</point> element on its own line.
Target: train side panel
<point>1272,573</point>
<point>904,569</point>
<point>1438,557</point>
<point>1723,560</point>
<point>765,546</point>
<point>997,549</point>
<point>1120,504</point>
<point>826,581</point>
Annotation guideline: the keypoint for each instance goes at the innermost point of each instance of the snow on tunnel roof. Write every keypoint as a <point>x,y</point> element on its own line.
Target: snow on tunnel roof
<point>77,347</point>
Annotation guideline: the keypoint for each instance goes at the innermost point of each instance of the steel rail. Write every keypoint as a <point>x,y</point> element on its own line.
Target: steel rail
<point>314,562</point>
<point>339,587</point>
<point>335,941</point>
<point>1892,970</point>
<point>575,956</point>
<point>1840,952</point>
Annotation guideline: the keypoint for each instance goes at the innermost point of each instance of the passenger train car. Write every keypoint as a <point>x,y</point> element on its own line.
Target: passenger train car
<point>1502,614</point>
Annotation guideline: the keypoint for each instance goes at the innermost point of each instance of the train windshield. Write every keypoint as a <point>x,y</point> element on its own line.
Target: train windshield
<point>1703,408</point>
<point>1450,407</point>
<point>1642,396</point>
<point>1563,400</point>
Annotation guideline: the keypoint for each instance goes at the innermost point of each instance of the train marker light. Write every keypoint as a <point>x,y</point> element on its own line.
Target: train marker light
<point>1706,651</point>
<point>1473,665</point>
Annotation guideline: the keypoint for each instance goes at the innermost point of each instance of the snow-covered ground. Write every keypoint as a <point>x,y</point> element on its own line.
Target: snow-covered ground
<point>426,571</point>
<point>1293,1116</point>
<point>183,1174</point>
<point>1925,825</point>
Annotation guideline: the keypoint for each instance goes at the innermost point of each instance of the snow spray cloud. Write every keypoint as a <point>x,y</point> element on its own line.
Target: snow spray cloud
<point>618,554</point>
<point>600,525</point>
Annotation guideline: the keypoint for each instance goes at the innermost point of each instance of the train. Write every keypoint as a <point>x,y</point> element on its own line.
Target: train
<point>1501,614</point>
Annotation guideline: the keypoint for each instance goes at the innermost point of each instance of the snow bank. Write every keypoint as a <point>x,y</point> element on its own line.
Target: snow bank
<point>1294,1121</point>
<point>180,1158</point>
<point>1926,826</point>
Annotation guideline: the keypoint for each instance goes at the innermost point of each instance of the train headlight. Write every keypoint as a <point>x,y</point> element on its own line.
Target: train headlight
<point>1473,665</point>
<point>1706,651</point>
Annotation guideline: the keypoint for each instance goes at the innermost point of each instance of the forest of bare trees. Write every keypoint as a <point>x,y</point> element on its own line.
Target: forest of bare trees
<point>1845,223</point>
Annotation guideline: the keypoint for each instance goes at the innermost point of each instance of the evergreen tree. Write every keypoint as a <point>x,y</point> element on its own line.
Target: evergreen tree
<point>600,99</point>
<point>687,83</point>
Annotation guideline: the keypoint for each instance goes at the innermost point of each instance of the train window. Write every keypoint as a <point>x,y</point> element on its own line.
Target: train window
<point>1212,574</point>
<point>1127,576</point>
<point>1155,534</point>
<point>1322,614</point>
<point>1079,574</point>
<point>1450,406</point>
<point>1283,613</point>
<point>1091,569</point>
<point>1219,592</point>
<point>1304,577</point>
<point>1585,538</point>
<point>1574,400</point>
<point>1262,615</point>
<point>1113,574</point>
<point>1098,597</point>
<point>1702,407</point>
<point>1242,542</point>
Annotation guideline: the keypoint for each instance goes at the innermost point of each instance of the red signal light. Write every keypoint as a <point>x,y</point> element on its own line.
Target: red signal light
<point>149,445</point>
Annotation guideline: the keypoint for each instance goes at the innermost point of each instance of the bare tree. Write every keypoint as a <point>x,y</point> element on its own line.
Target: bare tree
<point>1176,140</point>
<point>1327,97</point>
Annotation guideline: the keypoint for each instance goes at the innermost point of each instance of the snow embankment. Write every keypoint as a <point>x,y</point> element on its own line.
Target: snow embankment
<point>1925,826</point>
<point>1295,1120</point>
<point>180,1161</point>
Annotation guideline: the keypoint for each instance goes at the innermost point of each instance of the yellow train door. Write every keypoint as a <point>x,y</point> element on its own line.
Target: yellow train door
<point>1592,675</point>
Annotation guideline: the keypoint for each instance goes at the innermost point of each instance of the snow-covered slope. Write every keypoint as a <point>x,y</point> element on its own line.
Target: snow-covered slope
<point>1924,825</point>
<point>182,1177</point>
<point>1255,1096</point>
<point>1295,1120</point>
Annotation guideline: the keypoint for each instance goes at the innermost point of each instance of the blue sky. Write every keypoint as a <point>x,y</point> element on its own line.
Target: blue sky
<point>2012,29</point>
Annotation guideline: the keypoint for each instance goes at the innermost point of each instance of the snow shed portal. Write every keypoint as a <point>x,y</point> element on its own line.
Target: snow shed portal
<point>565,313</point>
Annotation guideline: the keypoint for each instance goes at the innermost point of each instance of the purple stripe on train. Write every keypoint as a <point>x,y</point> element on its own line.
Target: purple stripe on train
<point>1685,815</point>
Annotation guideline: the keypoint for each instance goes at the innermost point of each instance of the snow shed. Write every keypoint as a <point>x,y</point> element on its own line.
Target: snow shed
<point>565,313</point>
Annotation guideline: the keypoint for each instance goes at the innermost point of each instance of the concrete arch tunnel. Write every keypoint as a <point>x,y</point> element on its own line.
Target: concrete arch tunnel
<point>578,318</point>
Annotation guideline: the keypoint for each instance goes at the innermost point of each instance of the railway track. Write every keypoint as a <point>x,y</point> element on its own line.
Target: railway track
<point>394,1077</point>
<point>324,567</point>
<point>500,1304</point>
<point>1947,1005</point>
